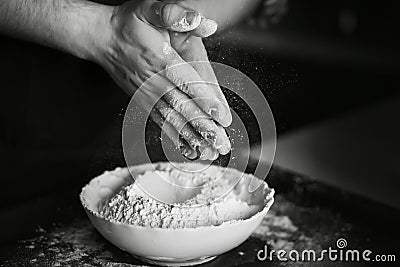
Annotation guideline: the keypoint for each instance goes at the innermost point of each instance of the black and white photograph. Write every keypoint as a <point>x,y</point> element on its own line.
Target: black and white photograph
<point>199,133</point>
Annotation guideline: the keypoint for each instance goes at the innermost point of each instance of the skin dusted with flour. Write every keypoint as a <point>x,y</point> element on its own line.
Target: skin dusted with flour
<point>128,42</point>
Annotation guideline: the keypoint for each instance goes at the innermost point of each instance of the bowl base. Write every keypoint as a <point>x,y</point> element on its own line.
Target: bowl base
<point>175,262</point>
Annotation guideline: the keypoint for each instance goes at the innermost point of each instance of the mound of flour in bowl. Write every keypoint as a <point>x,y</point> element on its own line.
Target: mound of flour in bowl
<point>204,208</point>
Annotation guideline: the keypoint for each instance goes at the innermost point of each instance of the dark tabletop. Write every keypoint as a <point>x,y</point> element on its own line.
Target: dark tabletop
<point>54,230</point>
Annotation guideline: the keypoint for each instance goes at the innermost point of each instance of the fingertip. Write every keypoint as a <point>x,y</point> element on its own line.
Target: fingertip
<point>189,153</point>
<point>179,19</point>
<point>224,118</point>
<point>206,28</point>
<point>208,153</point>
<point>224,143</point>
<point>225,148</point>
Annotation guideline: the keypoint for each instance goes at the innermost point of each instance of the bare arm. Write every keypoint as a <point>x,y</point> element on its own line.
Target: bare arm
<point>82,27</point>
<point>132,43</point>
<point>68,25</point>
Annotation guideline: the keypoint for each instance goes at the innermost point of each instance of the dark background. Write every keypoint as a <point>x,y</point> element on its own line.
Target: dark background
<point>60,117</point>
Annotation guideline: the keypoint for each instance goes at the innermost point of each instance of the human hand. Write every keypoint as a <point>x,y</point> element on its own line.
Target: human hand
<point>142,45</point>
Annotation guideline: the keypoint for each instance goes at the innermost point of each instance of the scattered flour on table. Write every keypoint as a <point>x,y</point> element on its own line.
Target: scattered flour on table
<point>206,208</point>
<point>277,231</point>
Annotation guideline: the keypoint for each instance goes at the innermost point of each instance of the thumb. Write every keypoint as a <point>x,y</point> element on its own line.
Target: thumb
<point>176,18</point>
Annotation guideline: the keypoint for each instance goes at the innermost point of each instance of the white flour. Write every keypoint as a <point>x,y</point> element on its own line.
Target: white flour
<point>132,206</point>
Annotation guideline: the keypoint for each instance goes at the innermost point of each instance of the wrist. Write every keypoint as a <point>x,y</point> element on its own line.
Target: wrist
<point>91,31</point>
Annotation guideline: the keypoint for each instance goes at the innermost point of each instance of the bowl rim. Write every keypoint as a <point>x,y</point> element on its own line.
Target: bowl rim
<point>268,200</point>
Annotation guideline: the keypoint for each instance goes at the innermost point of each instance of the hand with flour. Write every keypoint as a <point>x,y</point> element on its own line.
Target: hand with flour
<point>163,37</point>
<point>133,42</point>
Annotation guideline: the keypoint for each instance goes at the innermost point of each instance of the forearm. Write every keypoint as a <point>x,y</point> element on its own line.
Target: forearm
<point>74,26</point>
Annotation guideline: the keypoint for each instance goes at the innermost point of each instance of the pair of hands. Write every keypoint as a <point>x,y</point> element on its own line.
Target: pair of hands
<point>150,37</point>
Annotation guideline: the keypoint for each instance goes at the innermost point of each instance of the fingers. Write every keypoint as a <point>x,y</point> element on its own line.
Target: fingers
<point>209,130</point>
<point>192,137</point>
<point>177,18</point>
<point>211,100</point>
<point>172,16</point>
<point>189,81</point>
<point>199,131</point>
<point>192,50</point>
<point>173,134</point>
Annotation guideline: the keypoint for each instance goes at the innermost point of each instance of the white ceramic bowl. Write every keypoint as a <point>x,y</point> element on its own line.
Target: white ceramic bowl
<point>187,246</point>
